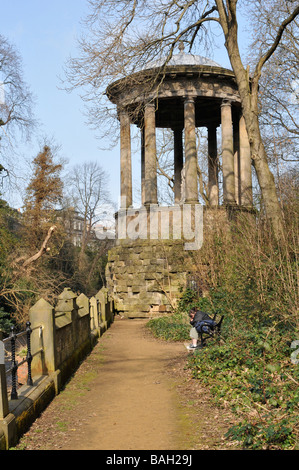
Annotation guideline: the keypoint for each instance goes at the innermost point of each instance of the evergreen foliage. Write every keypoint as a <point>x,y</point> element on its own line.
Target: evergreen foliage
<point>43,195</point>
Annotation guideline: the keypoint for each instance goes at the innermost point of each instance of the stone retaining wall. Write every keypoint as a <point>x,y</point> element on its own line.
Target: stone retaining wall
<point>146,277</point>
<point>62,335</point>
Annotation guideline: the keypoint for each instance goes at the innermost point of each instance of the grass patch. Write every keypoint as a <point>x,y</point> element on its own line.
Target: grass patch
<point>62,426</point>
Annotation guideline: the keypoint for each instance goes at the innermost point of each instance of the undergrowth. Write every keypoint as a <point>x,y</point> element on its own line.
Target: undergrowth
<point>250,369</point>
<point>252,372</point>
<point>251,278</point>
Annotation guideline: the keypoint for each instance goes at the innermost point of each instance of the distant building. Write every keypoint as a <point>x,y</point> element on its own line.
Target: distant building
<point>73,224</point>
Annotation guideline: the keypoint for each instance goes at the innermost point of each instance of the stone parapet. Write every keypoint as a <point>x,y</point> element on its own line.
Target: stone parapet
<point>62,335</point>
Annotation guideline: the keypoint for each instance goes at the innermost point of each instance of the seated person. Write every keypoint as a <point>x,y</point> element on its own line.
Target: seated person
<point>196,316</point>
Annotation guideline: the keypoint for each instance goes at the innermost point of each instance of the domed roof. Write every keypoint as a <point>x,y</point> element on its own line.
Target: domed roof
<point>182,59</point>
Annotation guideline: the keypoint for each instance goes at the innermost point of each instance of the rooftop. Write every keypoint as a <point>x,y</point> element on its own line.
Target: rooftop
<point>182,59</point>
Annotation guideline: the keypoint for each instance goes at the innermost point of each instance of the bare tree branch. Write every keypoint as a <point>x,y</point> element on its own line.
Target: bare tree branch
<point>276,42</point>
<point>42,249</point>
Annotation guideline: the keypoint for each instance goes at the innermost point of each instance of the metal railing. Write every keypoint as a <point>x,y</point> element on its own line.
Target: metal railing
<point>13,370</point>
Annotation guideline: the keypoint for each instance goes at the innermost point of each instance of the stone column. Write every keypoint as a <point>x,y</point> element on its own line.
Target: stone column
<point>150,167</point>
<point>237,160</point>
<point>191,188</point>
<point>227,153</point>
<point>178,163</point>
<point>125,160</point>
<point>142,167</point>
<point>245,166</point>
<point>213,166</point>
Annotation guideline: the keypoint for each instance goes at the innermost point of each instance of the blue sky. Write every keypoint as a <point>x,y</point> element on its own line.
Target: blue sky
<point>44,33</point>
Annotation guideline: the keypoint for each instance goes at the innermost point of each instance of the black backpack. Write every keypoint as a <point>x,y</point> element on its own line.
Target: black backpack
<point>205,326</point>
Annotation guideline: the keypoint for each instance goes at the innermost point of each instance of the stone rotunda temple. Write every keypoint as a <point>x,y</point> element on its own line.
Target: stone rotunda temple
<point>144,275</point>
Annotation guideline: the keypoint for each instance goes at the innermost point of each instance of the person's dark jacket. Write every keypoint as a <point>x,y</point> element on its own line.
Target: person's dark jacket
<point>199,316</point>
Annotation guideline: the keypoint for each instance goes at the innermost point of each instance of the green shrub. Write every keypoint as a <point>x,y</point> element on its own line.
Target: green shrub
<point>170,328</point>
<point>5,321</point>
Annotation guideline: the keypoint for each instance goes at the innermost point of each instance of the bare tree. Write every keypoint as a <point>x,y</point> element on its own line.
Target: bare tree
<point>124,35</point>
<point>16,100</point>
<point>88,185</point>
<point>279,88</point>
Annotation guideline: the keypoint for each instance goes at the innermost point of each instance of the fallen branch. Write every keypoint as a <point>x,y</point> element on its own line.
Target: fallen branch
<point>43,248</point>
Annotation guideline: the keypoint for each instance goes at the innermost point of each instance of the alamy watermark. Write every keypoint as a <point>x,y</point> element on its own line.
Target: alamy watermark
<point>2,353</point>
<point>178,222</point>
<point>294,358</point>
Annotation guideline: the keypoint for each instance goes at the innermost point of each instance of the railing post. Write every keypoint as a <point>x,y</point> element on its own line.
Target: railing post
<point>4,409</point>
<point>14,393</point>
<point>29,356</point>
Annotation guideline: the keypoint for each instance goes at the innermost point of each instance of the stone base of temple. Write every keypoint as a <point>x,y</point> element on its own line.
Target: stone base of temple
<point>146,277</point>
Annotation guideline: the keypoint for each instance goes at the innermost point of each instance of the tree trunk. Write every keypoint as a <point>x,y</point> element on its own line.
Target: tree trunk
<point>265,179</point>
<point>249,100</point>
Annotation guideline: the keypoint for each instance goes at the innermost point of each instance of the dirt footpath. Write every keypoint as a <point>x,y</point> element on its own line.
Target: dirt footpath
<point>132,393</point>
